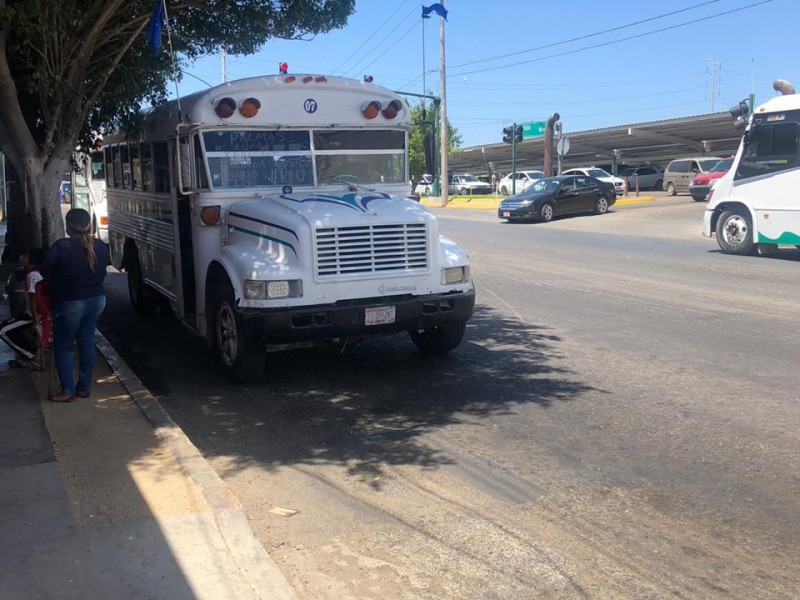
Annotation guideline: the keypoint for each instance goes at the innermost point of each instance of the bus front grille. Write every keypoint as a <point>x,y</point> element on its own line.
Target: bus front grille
<point>371,249</point>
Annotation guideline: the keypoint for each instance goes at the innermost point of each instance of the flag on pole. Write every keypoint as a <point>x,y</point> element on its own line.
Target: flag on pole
<point>437,8</point>
<point>155,26</point>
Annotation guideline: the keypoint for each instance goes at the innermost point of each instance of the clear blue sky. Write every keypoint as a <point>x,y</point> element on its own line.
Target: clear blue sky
<point>519,61</point>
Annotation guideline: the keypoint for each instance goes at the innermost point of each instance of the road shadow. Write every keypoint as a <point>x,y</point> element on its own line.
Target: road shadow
<point>364,408</point>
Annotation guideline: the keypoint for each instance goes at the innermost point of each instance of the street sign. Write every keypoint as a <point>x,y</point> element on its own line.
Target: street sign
<point>533,129</point>
<point>563,146</point>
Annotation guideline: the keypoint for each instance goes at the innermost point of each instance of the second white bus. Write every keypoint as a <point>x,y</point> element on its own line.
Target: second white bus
<point>756,205</point>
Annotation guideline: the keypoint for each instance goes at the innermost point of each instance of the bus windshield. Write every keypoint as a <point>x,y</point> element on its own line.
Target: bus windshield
<point>259,158</point>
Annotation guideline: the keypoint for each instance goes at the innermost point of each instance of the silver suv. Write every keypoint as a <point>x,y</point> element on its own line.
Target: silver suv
<point>681,171</point>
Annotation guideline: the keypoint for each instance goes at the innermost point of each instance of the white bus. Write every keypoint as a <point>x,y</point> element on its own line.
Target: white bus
<point>756,205</point>
<point>273,213</point>
<point>89,190</point>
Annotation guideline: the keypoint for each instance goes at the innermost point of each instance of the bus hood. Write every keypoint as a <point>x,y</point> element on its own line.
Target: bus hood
<point>316,209</point>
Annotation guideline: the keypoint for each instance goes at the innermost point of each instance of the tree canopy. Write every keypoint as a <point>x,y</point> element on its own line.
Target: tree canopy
<point>425,124</point>
<point>72,67</point>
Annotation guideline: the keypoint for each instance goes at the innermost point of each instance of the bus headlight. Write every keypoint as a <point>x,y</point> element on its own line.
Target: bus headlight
<point>452,275</point>
<point>255,289</point>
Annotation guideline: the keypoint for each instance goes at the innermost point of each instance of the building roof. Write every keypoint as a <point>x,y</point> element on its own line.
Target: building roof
<point>638,143</point>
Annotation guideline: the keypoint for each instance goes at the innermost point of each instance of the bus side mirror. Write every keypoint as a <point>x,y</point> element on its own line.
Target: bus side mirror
<point>739,113</point>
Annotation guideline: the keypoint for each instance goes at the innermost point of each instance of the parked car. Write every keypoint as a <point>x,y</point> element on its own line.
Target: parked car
<point>650,177</point>
<point>554,196</point>
<point>519,180</point>
<point>680,172</point>
<point>424,185</point>
<point>466,184</point>
<point>619,184</point>
<point>703,183</point>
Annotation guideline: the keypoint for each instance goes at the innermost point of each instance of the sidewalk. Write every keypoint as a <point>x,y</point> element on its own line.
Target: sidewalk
<point>106,498</point>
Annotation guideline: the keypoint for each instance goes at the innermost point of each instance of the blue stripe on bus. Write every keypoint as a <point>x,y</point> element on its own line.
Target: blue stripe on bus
<point>263,236</point>
<point>281,227</point>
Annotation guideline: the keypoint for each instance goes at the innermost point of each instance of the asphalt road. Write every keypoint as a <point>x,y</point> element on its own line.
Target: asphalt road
<point>620,422</point>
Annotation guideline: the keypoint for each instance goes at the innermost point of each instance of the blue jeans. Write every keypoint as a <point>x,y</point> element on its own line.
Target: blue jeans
<point>75,320</point>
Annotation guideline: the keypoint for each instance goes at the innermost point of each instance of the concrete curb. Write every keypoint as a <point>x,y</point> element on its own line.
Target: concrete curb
<point>254,562</point>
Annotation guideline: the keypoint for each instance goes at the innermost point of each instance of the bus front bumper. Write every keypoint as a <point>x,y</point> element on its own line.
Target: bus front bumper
<point>348,318</point>
<point>707,216</point>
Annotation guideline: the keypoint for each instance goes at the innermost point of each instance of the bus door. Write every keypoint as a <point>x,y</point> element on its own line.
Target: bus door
<point>184,256</point>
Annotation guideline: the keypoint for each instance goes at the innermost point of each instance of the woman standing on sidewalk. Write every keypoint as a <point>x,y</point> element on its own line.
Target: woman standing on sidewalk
<point>76,268</point>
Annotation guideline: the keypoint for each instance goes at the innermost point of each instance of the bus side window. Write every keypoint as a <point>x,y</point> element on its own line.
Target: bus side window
<point>161,167</point>
<point>147,168</point>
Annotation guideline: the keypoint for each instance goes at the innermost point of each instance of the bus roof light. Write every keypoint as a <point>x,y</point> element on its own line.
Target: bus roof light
<point>370,109</point>
<point>392,109</point>
<point>225,108</point>
<point>321,79</point>
<point>290,79</point>
<point>250,107</point>
<point>307,78</point>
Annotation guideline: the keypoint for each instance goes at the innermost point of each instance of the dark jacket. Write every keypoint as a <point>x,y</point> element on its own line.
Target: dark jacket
<point>66,266</point>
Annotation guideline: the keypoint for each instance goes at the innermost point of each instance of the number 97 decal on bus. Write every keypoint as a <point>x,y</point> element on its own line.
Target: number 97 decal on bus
<point>267,227</point>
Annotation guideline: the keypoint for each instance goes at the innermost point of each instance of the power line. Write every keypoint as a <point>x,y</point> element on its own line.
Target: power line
<point>389,18</point>
<point>387,36</point>
<point>593,46</point>
<point>583,37</point>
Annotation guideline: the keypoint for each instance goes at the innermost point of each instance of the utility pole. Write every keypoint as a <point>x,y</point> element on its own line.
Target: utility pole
<point>713,82</point>
<point>443,179</point>
<point>224,67</point>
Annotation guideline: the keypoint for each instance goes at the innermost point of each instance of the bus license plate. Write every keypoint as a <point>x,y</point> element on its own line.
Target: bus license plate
<point>379,315</point>
<point>506,213</point>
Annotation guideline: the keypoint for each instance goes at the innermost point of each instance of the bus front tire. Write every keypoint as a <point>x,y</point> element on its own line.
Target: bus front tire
<point>240,361</point>
<point>735,233</point>
<point>440,339</point>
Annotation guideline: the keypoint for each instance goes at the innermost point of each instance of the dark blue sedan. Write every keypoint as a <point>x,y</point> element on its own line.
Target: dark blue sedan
<point>554,196</point>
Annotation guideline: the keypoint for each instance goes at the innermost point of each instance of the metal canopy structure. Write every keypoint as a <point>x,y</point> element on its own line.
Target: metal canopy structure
<point>642,143</point>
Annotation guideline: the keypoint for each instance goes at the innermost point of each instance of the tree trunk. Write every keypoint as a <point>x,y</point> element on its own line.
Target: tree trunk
<point>40,185</point>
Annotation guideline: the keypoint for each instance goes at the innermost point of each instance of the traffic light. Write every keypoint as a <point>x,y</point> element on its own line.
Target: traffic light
<point>740,112</point>
<point>512,135</point>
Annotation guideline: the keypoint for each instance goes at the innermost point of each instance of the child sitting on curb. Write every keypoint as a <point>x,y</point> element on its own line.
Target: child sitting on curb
<point>23,331</point>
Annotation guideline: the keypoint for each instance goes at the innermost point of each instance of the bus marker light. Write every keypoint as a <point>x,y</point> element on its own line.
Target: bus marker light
<point>307,78</point>
<point>370,109</point>
<point>287,189</point>
<point>290,79</point>
<point>209,215</point>
<point>225,108</point>
<point>391,110</point>
<point>321,79</point>
<point>250,107</point>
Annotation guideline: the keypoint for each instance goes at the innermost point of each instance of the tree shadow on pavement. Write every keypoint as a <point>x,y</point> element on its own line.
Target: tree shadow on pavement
<point>366,408</point>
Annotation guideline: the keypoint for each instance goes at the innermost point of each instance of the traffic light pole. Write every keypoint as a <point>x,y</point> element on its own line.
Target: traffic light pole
<point>513,161</point>
<point>512,135</point>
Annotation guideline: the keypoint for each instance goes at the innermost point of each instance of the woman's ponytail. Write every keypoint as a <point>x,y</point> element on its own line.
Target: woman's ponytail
<point>79,225</point>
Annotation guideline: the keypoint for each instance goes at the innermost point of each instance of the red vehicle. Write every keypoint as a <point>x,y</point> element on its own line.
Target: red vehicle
<point>703,183</point>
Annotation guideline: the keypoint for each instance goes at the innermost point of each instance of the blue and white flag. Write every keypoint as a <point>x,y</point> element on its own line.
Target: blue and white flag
<point>155,26</point>
<point>437,8</point>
